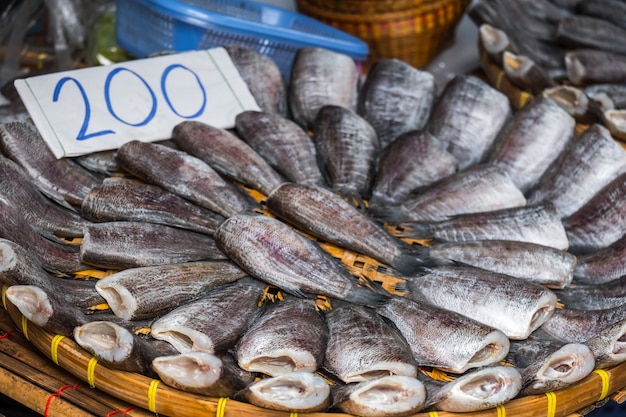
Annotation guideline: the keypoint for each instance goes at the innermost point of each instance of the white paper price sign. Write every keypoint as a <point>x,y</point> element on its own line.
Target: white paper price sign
<point>101,108</point>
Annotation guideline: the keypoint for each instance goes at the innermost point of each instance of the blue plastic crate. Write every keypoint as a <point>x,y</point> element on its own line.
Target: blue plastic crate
<point>145,27</point>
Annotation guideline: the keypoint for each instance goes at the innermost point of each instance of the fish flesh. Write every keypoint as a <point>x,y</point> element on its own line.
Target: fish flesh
<point>495,42</point>
<point>321,77</point>
<point>324,214</point>
<point>536,136</point>
<point>151,291</point>
<point>358,346</point>
<point>275,253</point>
<point>477,189</point>
<point>594,296</point>
<point>121,245</point>
<point>212,323</point>
<point>409,164</point>
<point>615,121</point>
<point>386,396</point>
<point>526,74</point>
<point>348,149</point>
<point>468,117</point>
<point>592,66</point>
<point>300,346</point>
<point>444,339</point>
<point>577,326</point>
<point>124,200</point>
<point>396,98</point>
<point>283,144</point>
<point>183,175</point>
<point>514,306</point>
<point>227,154</point>
<point>608,346</point>
<point>602,266</point>
<point>575,102</point>
<point>611,96</point>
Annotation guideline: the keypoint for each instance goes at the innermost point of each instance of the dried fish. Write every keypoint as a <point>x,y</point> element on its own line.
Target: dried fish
<point>594,296</point>
<point>602,266</point>
<point>100,163</point>
<point>577,326</point>
<point>609,96</point>
<point>495,42</point>
<point>615,121</point>
<point>608,345</point>
<point>575,102</point>
<point>581,31</point>
<point>590,66</point>
<point>525,73</point>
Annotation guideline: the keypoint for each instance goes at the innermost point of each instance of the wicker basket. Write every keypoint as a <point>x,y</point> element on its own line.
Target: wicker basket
<point>410,30</point>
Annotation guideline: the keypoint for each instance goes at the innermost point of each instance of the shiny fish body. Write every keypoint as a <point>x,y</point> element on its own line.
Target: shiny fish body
<point>477,189</point>
<point>283,144</point>
<point>321,77</point>
<point>609,345</point>
<point>454,343</point>
<point>535,137</point>
<point>603,265</point>
<point>396,98</point>
<point>227,154</point>
<point>120,245</point>
<point>275,253</point>
<point>594,296</point>
<point>120,200</point>
<point>468,117</point>
<point>358,346</point>
<point>183,175</point>
<point>100,163</point>
<point>511,305</point>
<point>151,291</point>
<point>327,216</point>
<point>214,322</point>
<point>578,326</point>
<point>300,346</point>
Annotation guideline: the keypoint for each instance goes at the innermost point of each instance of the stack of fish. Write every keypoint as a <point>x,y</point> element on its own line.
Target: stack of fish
<point>242,296</point>
<point>570,50</point>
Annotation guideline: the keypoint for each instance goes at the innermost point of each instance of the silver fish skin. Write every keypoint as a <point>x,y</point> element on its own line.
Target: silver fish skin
<point>594,296</point>
<point>214,322</point>
<point>578,326</point>
<point>512,305</point>
<point>545,10</point>
<point>594,66</point>
<point>468,117</point>
<point>262,76</point>
<point>151,291</point>
<point>122,200</point>
<point>534,223</point>
<point>348,149</point>
<point>538,264</point>
<point>589,164</point>
<point>455,343</point>
<point>396,98</point>
<point>227,154</point>
<point>602,266</point>
<point>358,346</point>
<point>47,217</point>
<point>202,373</point>
<point>61,179</point>
<point>601,221</point>
<point>326,215</point>
<point>536,136</point>
<point>478,189</point>
<point>610,95</point>
<point>581,31</point>
<point>182,174</point>
<point>611,10</point>
<point>283,144</point>
<point>387,396</point>
<point>526,73</point>
<point>608,346</point>
<point>300,347</point>
<point>301,392</point>
<point>100,163</point>
<point>121,245</point>
<point>320,77</point>
<point>410,163</point>
<point>479,389</point>
<point>615,121</point>
<point>275,253</point>
<point>575,102</point>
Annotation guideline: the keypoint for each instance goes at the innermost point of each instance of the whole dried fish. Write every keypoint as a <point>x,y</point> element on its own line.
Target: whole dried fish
<point>594,296</point>
<point>581,31</point>
<point>468,117</point>
<point>227,154</point>
<point>525,73</point>
<point>396,98</point>
<point>183,175</point>
<point>100,163</point>
<point>326,215</point>
<point>608,345</point>
<point>283,144</point>
<point>151,291</point>
<point>444,339</point>
<point>300,346</point>
<point>575,102</point>
<point>610,10</point>
<point>495,42</point>
<point>610,96</point>
<point>589,66</point>
<point>577,326</point>
<point>273,252</point>
<point>603,265</point>
<point>120,245</point>
<point>121,200</point>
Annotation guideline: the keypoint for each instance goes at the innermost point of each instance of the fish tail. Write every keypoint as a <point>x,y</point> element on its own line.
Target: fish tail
<point>386,213</point>
<point>411,260</point>
<point>415,230</point>
<point>365,296</point>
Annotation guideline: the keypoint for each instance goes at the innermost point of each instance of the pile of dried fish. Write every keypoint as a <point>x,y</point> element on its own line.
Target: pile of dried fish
<point>218,242</point>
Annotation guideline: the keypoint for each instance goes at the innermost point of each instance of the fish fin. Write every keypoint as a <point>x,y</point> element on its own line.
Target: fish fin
<point>412,259</point>
<point>365,296</point>
<point>388,214</point>
<point>415,230</point>
<point>354,198</point>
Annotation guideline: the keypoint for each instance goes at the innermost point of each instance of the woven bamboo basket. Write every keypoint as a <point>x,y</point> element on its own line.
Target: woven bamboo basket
<point>410,30</point>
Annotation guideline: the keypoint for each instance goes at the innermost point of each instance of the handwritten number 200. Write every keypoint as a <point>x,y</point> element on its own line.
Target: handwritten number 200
<point>82,133</point>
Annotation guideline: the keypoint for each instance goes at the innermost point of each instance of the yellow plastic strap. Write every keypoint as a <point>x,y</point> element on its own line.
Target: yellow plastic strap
<point>604,376</point>
<point>25,327</point>
<point>523,98</point>
<point>221,407</point>
<point>293,414</point>
<point>501,411</point>
<point>91,372</point>
<point>551,404</point>
<point>499,80</point>
<point>433,414</point>
<point>4,296</point>
<point>152,391</point>
<point>54,348</point>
